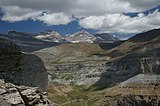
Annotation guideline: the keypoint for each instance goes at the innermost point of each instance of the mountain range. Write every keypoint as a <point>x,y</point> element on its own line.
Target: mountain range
<point>81,36</point>
<point>86,69</point>
<point>31,42</point>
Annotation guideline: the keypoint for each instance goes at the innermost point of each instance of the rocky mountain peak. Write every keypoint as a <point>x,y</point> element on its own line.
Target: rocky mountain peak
<point>49,32</point>
<point>50,35</point>
<point>81,36</point>
<point>82,33</point>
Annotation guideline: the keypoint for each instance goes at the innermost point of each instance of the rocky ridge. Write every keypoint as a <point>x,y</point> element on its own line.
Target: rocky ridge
<point>51,36</point>
<point>26,42</point>
<point>81,36</point>
<point>32,42</point>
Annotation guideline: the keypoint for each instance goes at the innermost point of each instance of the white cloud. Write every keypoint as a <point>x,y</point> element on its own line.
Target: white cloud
<point>9,14</point>
<point>55,19</point>
<point>120,23</point>
<point>15,13</point>
<point>104,15</point>
<point>80,8</point>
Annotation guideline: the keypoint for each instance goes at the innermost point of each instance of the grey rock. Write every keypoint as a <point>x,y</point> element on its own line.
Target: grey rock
<point>129,66</point>
<point>22,96</point>
<point>21,69</point>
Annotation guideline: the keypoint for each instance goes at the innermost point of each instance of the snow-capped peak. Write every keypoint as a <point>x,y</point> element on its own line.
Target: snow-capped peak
<point>50,35</point>
<point>81,36</point>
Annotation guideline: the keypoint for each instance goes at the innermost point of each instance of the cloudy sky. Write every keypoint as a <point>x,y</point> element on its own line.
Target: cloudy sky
<point>68,16</point>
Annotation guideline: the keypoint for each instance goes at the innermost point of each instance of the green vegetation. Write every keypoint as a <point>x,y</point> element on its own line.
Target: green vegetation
<point>67,77</point>
<point>78,96</point>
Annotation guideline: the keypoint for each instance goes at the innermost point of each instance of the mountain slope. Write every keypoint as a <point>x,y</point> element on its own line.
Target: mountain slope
<point>138,55</point>
<point>141,42</point>
<point>105,38</point>
<point>69,52</point>
<point>79,63</point>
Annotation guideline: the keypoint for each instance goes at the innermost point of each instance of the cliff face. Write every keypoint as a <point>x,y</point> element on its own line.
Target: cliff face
<point>21,69</point>
<point>129,66</point>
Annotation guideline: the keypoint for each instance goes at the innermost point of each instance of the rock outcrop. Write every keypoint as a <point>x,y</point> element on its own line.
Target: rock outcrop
<point>12,95</point>
<point>21,69</point>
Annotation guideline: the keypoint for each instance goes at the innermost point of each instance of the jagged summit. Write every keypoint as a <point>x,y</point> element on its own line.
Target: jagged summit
<point>51,36</point>
<point>81,36</point>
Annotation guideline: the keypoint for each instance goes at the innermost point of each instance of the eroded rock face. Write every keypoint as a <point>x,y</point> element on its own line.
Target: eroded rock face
<point>129,66</point>
<point>12,95</point>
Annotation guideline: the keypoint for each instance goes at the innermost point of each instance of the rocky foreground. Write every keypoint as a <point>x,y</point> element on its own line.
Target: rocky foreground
<point>12,95</point>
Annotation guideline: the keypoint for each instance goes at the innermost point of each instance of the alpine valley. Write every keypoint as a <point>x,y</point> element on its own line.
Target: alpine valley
<point>79,69</point>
